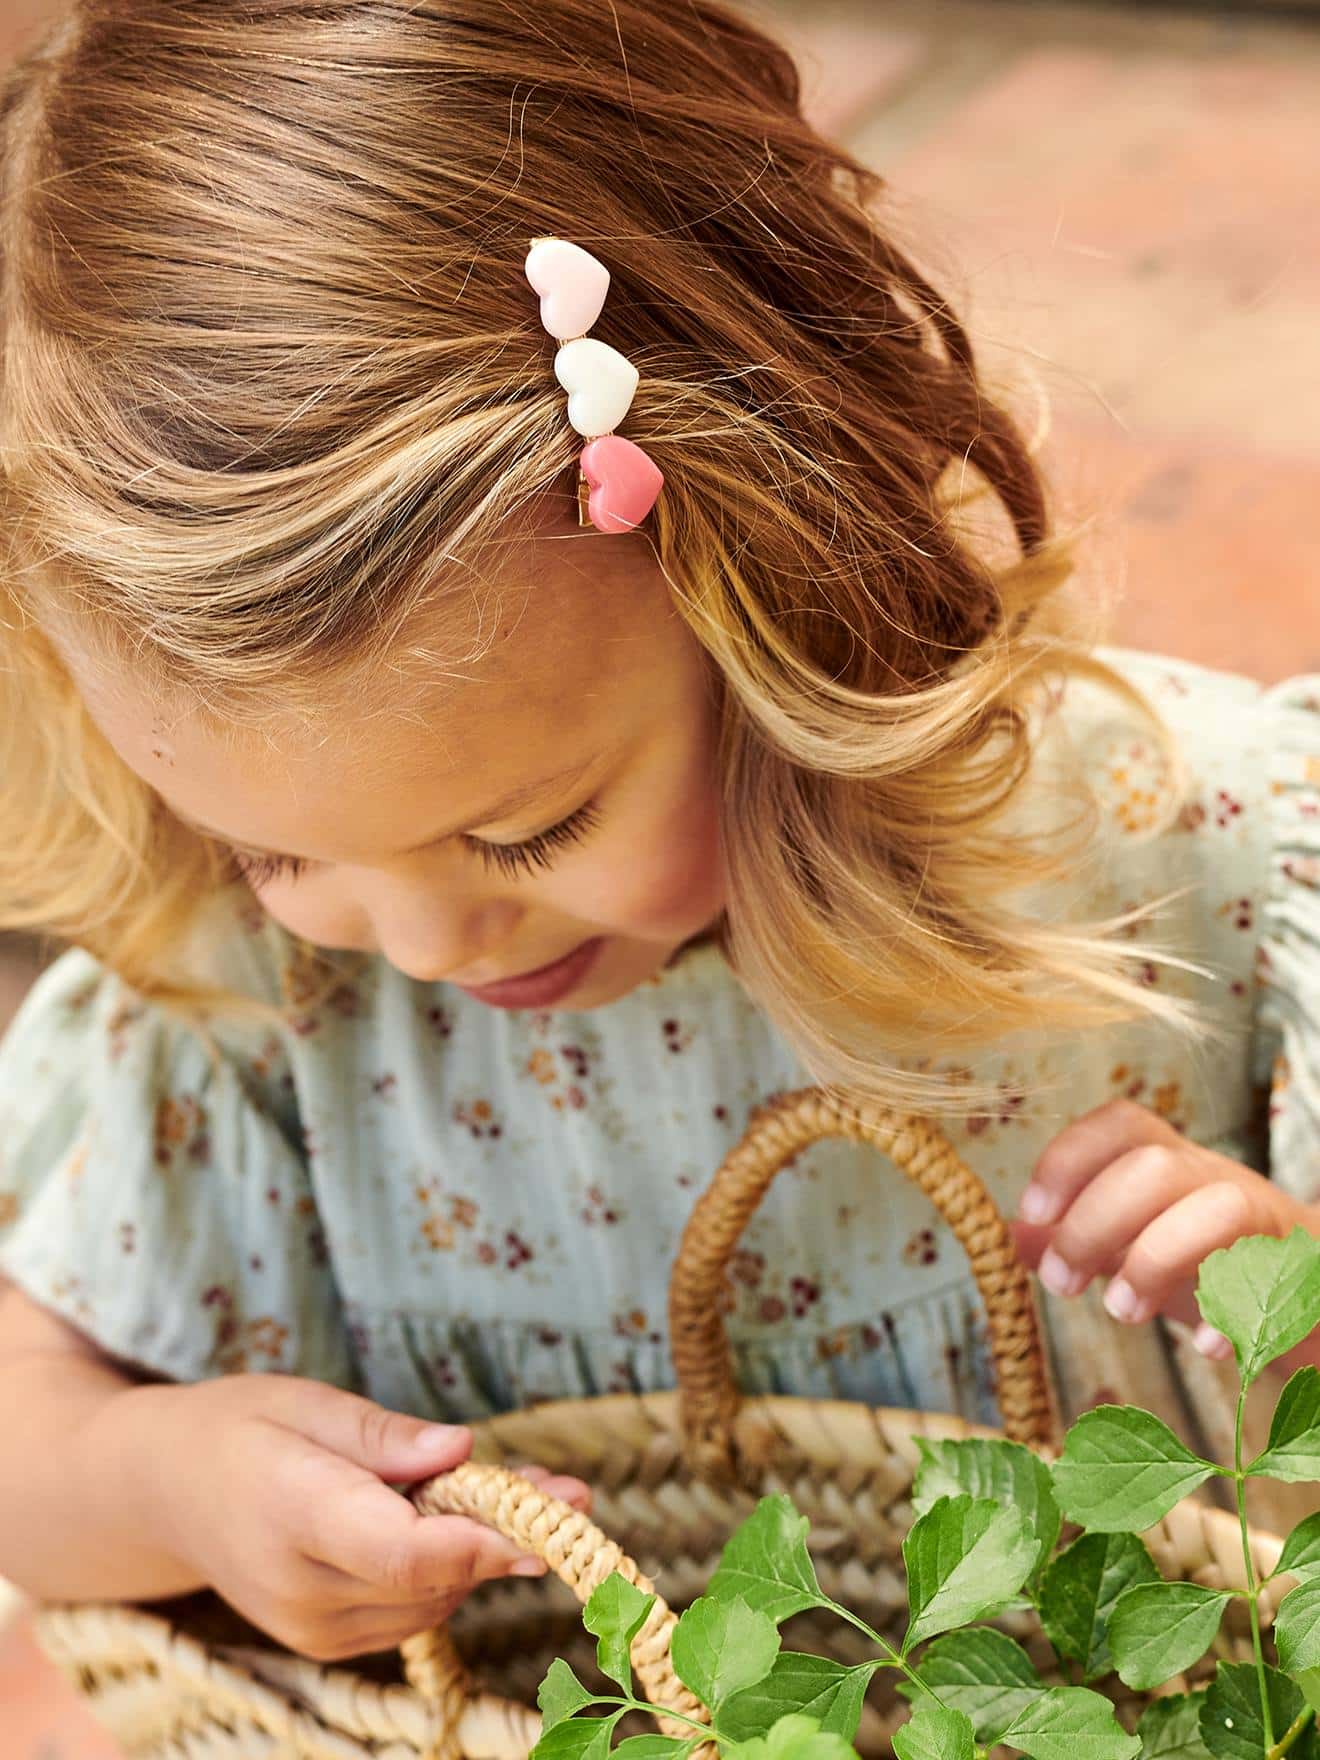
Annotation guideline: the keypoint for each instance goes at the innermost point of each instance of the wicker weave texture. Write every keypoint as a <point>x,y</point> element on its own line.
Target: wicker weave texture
<point>673,1474</point>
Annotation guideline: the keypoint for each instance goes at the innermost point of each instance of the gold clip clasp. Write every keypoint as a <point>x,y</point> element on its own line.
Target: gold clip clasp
<point>583,495</point>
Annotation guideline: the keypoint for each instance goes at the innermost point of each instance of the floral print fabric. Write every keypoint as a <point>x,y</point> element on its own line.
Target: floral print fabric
<point>457,1210</point>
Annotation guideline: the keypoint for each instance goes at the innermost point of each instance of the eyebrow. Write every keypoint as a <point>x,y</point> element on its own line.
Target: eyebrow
<point>508,803</point>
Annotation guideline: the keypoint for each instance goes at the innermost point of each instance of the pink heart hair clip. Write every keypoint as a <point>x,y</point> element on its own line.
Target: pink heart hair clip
<point>617,483</point>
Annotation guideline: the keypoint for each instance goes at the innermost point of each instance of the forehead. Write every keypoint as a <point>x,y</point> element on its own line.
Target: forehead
<point>520,667</point>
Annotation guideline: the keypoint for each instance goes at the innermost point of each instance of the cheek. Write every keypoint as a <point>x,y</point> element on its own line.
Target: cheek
<point>660,877</point>
<point>317,912</point>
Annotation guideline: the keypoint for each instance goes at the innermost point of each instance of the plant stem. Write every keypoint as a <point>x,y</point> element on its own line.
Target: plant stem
<point>1253,1588</point>
<point>707,1730</point>
<point>1291,1734</point>
<point>892,1657</point>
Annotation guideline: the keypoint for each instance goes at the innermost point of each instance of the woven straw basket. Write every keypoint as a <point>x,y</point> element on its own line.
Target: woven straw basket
<point>673,1474</point>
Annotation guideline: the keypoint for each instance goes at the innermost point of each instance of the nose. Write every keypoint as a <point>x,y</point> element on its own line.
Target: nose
<point>427,932</point>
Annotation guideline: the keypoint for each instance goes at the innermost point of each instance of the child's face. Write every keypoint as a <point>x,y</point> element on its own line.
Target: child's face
<point>594,695</point>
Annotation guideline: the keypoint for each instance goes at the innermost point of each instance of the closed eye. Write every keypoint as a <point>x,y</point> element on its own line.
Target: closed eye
<point>507,858</point>
<point>538,851</point>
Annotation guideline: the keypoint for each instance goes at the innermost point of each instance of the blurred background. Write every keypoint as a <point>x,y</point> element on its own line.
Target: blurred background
<point>1121,198</point>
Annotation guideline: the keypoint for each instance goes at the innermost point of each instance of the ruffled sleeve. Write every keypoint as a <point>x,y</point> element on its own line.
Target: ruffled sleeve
<point>153,1186</point>
<point>1288,959</point>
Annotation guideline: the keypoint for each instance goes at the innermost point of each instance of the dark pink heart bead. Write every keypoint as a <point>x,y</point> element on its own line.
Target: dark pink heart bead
<point>624,483</point>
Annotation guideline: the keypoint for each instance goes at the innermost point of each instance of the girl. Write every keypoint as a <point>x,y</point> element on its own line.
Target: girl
<point>446,877</point>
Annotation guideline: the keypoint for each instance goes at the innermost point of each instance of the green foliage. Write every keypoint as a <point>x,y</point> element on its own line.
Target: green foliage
<point>721,1647</point>
<point>561,1694</point>
<point>1005,1472</point>
<point>1263,1295</point>
<point>987,1525</point>
<point>933,1732</point>
<point>1159,1629</point>
<point>825,1690</point>
<point>1079,1591</point>
<point>614,1615</point>
<point>1293,1450</point>
<point>965,1558</point>
<point>1301,1550</point>
<point>980,1672</point>
<point>796,1738</point>
<point>1231,1722</point>
<point>1170,1728</point>
<point>1297,1635</point>
<point>1070,1723</point>
<point>1123,1469</point>
<point>766,1562</point>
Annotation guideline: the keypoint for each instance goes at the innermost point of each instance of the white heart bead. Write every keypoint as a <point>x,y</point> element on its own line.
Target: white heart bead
<point>572,285</point>
<point>600,383</point>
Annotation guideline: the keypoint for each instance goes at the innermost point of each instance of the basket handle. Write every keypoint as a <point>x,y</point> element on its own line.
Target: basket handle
<point>787,1123</point>
<point>580,1555</point>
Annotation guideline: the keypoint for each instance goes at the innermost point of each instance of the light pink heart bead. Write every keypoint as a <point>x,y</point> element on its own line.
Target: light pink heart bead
<point>624,483</point>
<point>571,283</point>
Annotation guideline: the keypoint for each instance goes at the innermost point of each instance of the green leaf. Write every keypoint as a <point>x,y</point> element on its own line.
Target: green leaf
<point>1263,1295</point>
<point>1079,1591</point>
<point>796,1738</point>
<point>819,1688</point>
<point>561,1693</point>
<point>964,1558</point>
<point>1170,1728</point>
<point>1293,1450</point>
<point>766,1563</point>
<point>652,1747</point>
<point>981,1672</point>
<point>719,1648</point>
<point>1297,1628</point>
<point>1070,1723</point>
<point>933,1732</point>
<point>614,1615</point>
<point>1159,1629</point>
<point>577,1738</point>
<point>1297,1638</point>
<point>1301,1550</point>
<point>1122,1468</point>
<point>1005,1472</point>
<point>1231,1724</point>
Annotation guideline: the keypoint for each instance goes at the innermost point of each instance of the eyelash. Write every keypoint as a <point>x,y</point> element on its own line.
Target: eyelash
<point>507,858</point>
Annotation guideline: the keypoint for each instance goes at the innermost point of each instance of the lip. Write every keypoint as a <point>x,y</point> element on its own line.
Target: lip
<point>543,987</point>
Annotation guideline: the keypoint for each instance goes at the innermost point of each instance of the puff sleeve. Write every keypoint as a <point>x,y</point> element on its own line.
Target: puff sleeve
<point>1288,954</point>
<point>153,1188</point>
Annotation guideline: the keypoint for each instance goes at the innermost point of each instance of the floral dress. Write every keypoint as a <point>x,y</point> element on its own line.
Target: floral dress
<point>456,1210</point>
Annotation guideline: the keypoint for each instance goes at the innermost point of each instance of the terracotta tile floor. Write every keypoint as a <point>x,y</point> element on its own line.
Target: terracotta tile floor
<point>1122,199</point>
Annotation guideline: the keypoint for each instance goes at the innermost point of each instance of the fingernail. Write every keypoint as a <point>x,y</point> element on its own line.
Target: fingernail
<point>1123,1302</point>
<point>1059,1277</point>
<point>528,1566</point>
<point>435,1436</point>
<point>1211,1343</point>
<point>1039,1204</point>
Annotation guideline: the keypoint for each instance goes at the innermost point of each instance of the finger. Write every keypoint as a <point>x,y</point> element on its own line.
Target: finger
<point>1158,1274</point>
<point>1105,1218</point>
<point>389,1444</point>
<point>361,1629</point>
<point>1030,1242</point>
<point>351,1520</point>
<point>1072,1159</point>
<point>368,1627</point>
<point>558,1485</point>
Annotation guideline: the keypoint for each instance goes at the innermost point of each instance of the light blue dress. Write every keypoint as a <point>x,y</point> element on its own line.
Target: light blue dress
<point>457,1210</point>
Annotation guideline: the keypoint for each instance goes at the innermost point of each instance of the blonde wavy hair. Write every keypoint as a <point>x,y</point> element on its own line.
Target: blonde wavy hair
<point>269,353</point>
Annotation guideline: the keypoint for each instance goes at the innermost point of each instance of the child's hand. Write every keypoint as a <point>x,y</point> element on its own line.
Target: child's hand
<point>1120,1194</point>
<point>273,1489</point>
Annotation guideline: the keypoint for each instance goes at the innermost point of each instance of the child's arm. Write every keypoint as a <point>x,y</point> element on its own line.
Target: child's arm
<point>270,1488</point>
<point>1120,1194</point>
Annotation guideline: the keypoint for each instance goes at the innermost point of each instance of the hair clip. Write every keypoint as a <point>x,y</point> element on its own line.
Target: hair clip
<point>617,483</point>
